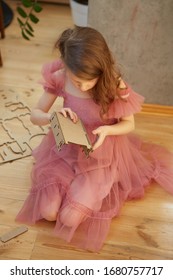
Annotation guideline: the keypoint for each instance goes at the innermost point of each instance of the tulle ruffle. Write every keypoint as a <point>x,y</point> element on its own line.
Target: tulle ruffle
<point>53,77</point>
<point>130,104</point>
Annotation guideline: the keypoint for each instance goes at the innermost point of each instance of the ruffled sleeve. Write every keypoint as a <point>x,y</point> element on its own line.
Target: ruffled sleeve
<point>53,77</point>
<point>127,103</point>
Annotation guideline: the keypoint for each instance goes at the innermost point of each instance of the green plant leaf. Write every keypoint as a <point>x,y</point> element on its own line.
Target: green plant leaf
<point>33,18</point>
<point>29,27</point>
<point>29,32</point>
<point>27,3</point>
<point>37,8</point>
<point>21,12</point>
<point>20,22</point>
<point>24,35</point>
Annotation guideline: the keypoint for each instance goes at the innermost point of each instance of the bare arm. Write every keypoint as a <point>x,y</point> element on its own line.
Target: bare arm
<point>125,126</point>
<point>40,114</point>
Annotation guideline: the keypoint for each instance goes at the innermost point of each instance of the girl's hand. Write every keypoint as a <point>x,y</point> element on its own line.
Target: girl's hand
<point>124,126</point>
<point>68,112</point>
<point>102,132</point>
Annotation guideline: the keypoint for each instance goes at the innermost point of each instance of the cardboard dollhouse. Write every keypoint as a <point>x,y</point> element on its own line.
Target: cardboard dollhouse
<point>66,131</point>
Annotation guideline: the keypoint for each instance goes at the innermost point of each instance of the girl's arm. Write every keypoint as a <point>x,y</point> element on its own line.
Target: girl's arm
<point>125,126</point>
<point>39,114</point>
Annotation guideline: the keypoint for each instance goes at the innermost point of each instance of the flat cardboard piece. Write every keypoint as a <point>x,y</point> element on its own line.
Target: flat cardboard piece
<point>17,134</point>
<point>13,233</point>
<point>66,131</point>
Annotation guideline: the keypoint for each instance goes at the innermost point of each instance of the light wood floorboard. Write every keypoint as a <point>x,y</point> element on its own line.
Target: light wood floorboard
<point>144,229</point>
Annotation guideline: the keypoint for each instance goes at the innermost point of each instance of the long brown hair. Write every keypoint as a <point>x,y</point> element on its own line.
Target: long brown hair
<point>85,52</point>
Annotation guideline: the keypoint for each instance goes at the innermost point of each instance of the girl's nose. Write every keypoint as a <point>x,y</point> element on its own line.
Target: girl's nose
<point>83,88</point>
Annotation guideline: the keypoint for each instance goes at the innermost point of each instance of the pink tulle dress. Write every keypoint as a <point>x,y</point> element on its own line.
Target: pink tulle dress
<point>96,187</point>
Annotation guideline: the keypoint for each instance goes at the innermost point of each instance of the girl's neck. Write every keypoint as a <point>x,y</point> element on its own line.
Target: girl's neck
<point>72,90</point>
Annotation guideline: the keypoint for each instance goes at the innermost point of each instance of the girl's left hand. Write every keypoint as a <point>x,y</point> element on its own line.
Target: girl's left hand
<point>102,132</point>
<point>68,112</point>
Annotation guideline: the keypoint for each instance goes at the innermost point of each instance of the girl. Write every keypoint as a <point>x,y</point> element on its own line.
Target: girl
<point>83,194</point>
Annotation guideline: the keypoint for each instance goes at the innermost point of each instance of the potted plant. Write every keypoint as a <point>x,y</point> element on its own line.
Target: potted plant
<point>79,10</point>
<point>27,16</point>
<point>27,10</point>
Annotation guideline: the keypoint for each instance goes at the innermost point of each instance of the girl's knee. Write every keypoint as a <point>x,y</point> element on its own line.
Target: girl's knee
<point>50,210</point>
<point>50,216</point>
<point>71,217</point>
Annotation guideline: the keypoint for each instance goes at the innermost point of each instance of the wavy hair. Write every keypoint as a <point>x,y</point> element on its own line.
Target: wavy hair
<point>85,52</point>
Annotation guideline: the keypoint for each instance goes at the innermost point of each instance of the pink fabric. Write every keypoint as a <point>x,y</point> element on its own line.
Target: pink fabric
<point>94,187</point>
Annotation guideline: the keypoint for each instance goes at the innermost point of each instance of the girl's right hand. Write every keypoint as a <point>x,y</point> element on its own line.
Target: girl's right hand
<point>68,112</point>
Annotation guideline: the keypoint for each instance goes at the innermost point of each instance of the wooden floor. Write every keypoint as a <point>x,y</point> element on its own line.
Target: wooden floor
<point>144,229</point>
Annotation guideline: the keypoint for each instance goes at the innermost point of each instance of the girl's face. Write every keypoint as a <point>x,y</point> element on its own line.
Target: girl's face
<point>83,85</point>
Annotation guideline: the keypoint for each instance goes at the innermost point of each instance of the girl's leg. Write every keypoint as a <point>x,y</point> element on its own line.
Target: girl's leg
<point>70,216</point>
<point>49,210</point>
<point>83,193</point>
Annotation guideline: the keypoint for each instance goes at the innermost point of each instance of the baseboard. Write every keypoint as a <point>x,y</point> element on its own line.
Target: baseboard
<point>157,109</point>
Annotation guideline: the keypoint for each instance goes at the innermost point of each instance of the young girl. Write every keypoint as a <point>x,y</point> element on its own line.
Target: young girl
<point>83,194</point>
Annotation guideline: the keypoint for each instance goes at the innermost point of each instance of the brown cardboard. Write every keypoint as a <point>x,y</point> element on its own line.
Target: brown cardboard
<point>17,134</point>
<point>13,233</point>
<point>66,131</point>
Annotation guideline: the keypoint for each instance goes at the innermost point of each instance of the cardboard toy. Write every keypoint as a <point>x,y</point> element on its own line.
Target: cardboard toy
<point>18,135</point>
<point>13,233</point>
<point>66,131</point>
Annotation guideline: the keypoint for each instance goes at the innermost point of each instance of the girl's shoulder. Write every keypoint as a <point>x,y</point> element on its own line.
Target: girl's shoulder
<point>52,67</point>
<point>53,76</point>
